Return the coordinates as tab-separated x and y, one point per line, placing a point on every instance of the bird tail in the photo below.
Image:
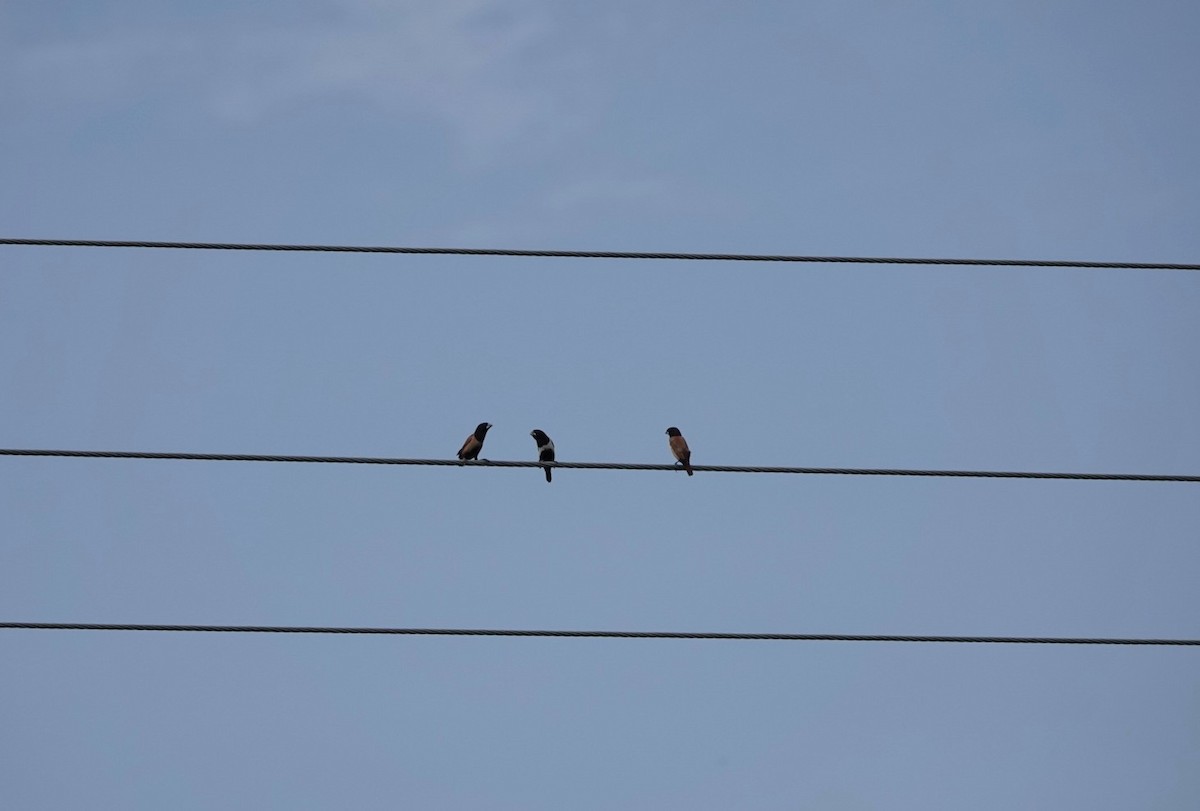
687	463
547	469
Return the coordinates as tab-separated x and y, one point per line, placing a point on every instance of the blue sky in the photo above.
1061	130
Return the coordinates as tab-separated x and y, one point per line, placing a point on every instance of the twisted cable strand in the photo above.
374	460
316	629
534	252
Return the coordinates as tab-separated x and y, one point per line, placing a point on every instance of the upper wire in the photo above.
564	254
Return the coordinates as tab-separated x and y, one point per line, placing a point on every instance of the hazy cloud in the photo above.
486	69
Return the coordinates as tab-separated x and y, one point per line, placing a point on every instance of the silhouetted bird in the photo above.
474	444
545	448
679	447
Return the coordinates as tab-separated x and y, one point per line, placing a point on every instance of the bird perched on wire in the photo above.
474	444
679	447
545	447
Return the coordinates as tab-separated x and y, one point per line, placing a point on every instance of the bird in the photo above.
679	447
545	447
474	444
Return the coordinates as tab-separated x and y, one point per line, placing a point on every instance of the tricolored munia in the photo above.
679	447
474	444
545	447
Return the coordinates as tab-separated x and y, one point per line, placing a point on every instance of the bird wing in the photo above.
472	445
679	447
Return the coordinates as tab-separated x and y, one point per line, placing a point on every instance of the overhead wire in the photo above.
374	460
585	254
701	635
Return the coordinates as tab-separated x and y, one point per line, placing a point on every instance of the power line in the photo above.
315	629
721	257
373	460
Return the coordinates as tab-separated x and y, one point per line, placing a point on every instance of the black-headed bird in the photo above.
679	447
474	444
545	448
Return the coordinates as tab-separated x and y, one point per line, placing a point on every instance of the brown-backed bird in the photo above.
545	447
474	444
679	447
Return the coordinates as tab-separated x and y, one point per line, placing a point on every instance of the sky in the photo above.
1061	130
